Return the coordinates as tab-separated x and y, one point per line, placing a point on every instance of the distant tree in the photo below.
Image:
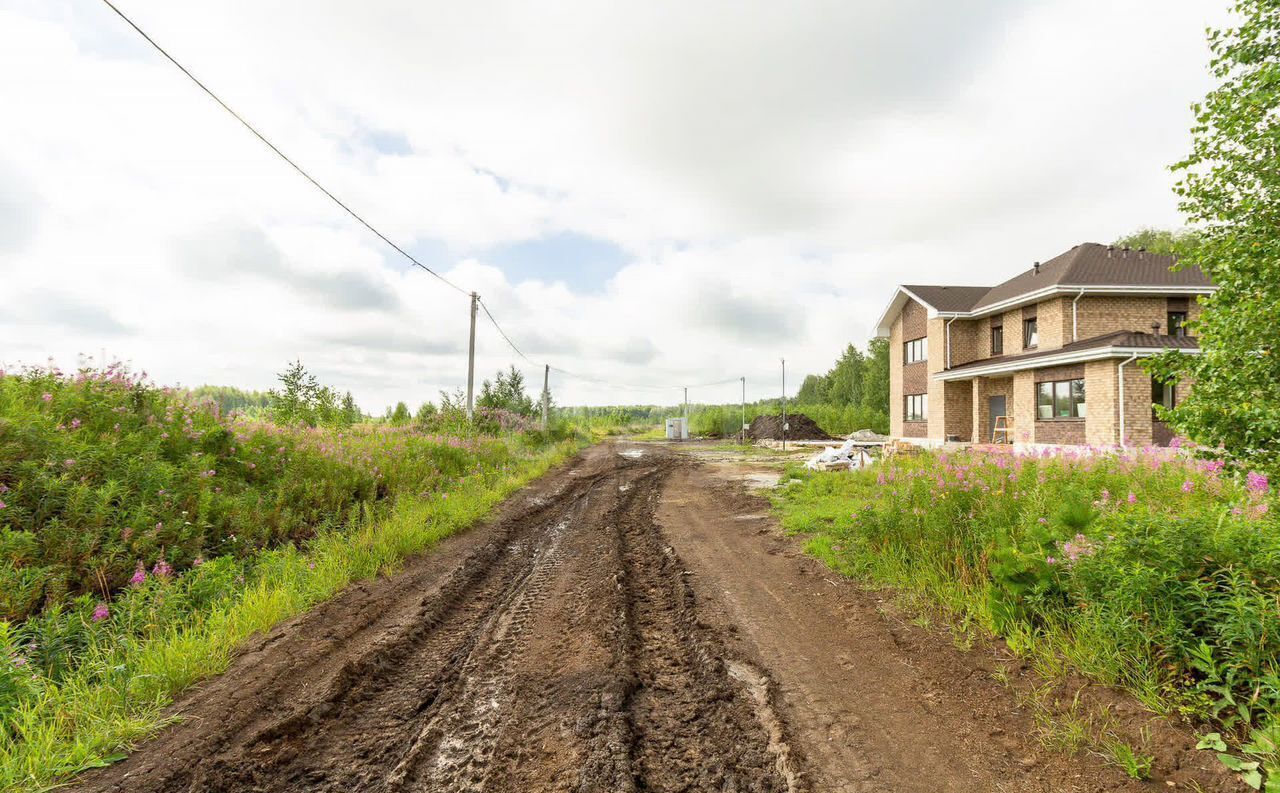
506	392
425	411
1230	190
292	403
844	381
811	390
1161	241
400	415
350	410
875	377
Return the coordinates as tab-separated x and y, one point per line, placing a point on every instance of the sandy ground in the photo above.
631	622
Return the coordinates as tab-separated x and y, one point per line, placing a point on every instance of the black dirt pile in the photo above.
801	428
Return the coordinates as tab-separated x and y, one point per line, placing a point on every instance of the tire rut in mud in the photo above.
564	654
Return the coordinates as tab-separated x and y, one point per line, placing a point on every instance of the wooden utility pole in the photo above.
784	404
546	394
471	358
744	410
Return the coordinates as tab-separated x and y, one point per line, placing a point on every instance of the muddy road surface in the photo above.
630	622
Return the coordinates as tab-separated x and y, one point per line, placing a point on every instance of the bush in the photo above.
1157	573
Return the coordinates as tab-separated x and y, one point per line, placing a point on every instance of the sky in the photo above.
647	194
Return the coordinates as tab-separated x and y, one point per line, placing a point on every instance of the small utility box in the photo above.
678	429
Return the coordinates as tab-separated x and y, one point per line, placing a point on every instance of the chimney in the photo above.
1036	268
1110	248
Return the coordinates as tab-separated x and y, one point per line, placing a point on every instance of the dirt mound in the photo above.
800	428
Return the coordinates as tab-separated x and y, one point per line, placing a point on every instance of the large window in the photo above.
1177	323
997	340
1061	399
1165	394
916	350
917	407
1030	335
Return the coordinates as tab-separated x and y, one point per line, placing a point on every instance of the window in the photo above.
1060	399
916	351
1030	336
997	340
917	407
1177	323
1165	394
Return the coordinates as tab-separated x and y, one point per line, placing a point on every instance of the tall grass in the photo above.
725	421
1151	572
174	533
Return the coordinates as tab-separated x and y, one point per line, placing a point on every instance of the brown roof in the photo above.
949	298
1125	338
1091	264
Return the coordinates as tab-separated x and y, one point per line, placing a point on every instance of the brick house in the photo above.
1053	349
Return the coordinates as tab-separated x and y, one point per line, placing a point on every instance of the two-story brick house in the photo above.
1053	349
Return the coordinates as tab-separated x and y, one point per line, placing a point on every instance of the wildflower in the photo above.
1257	483
3	505
1050	560
19	661
196	562
139	575
1133	499
47	397
1237	511
162	570
1043	520
159	525
68	462
75	424
101	612
1188	486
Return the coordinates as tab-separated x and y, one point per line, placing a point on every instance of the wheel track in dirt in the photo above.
562	653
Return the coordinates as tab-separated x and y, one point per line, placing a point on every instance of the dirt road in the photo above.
628	623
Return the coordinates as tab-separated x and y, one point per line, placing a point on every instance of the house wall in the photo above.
968	343
958	408
936	329
1013	332
1053	322
1137	405
1100	386
1023	410
982	389
911	323
1099	315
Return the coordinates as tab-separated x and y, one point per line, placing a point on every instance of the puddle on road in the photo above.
633	454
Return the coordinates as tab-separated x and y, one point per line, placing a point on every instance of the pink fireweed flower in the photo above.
1133	499
1257	483
47	397
196	562
68	462
75	424
101	612
159	525
139	575
1237	511
3	505
162	570
1050	560
1188	486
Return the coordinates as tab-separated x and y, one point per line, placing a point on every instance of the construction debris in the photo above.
859	450
799	428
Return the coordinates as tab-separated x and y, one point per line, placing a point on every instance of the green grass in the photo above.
120	688
1158	575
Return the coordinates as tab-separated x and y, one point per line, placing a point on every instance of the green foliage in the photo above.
506	393
1160	574
234	400
1161	241
1230	190
399	415
144	536
302	401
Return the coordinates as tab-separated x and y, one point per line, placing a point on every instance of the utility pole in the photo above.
546	394
684	432
471	358
744	410
784	404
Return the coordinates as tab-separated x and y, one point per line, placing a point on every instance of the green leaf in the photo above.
1212	741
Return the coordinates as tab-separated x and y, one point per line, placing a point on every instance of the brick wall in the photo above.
1022	411
968	342
911	323
1061	431
958	405
1100	399
1098	316
936	363
895	377
1137	405
1053	322
1013	332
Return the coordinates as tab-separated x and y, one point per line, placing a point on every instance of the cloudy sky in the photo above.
649	193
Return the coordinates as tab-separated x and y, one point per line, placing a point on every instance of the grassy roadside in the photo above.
118	691
1158	575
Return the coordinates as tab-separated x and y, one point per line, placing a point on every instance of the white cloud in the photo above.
771	170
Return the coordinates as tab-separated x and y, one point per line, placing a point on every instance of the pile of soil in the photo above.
801	428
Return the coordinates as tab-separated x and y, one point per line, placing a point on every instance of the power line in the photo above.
503	333
368	225
275	149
